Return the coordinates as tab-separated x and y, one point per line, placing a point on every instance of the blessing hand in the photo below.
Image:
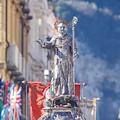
40	42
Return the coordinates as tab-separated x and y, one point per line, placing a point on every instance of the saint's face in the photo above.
62	28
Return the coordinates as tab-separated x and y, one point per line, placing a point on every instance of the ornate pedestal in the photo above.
61	108
60	114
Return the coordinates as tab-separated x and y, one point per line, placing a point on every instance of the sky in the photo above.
98	41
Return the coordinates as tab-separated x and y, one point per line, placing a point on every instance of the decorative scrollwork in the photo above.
75	20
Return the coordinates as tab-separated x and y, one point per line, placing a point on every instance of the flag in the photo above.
1	90
8	109
5	113
37	94
6	105
4	90
16	102
14	97
18	99
1	94
12	112
11	92
2	84
7	94
77	90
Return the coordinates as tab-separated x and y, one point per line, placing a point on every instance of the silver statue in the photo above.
62	43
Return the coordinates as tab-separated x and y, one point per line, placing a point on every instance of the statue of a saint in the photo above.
63	58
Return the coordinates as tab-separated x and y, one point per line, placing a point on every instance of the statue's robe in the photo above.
63	64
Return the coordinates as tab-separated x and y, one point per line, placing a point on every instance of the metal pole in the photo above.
119	114
26	101
73	29
94	103
82	92
74	21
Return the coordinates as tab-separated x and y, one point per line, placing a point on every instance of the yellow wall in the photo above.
2	37
14	29
14	33
14	26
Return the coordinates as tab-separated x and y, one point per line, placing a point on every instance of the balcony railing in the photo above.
15	62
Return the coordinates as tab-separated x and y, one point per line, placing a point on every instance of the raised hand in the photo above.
40	42
76	56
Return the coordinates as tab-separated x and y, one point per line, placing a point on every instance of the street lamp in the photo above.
83	84
46	75
119	114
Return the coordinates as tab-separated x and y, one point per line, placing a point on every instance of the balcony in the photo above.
13	57
16	63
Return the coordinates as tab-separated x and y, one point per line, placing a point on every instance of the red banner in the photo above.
37	94
77	90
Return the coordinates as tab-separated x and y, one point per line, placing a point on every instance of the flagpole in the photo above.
26	101
25	83
74	21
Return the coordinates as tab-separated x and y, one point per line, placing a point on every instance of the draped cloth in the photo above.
37	95
63	64
63	76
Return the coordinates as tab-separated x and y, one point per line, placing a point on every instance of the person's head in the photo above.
62	25
62	28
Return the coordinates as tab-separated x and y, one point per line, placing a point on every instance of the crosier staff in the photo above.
74	22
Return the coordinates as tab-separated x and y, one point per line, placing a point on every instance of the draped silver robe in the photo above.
63	64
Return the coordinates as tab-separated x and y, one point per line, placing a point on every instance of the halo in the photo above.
62	21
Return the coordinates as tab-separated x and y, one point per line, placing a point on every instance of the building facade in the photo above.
22	22
42	27
14	29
